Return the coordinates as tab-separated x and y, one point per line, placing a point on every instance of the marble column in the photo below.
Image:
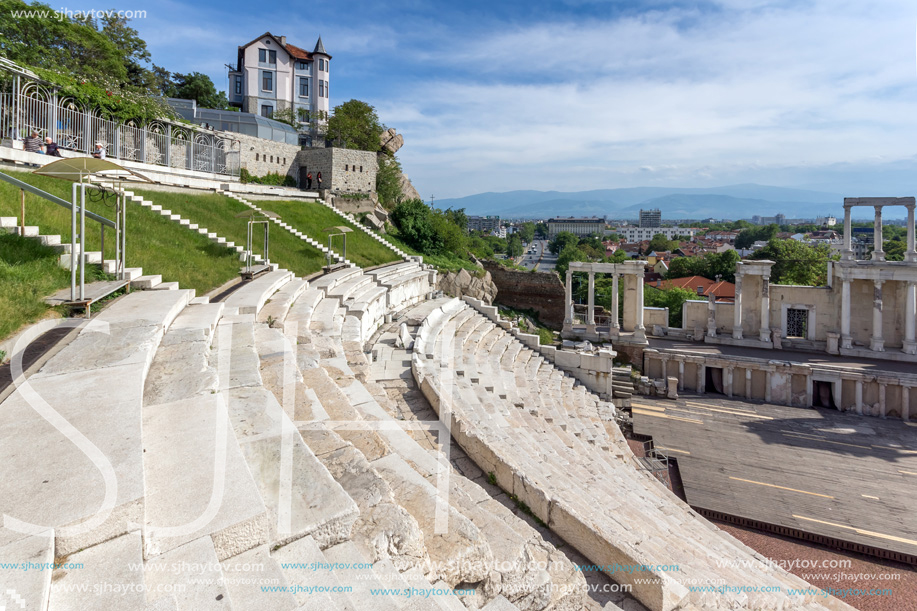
665	367
568	300
839	395
846	339
910	311
737	314
877	343
748	383
882	399
639	329
809	388
767	386
728	381
681	375
615	320
765	335
877	253
590	307
905	403
911	253
701	378
848	235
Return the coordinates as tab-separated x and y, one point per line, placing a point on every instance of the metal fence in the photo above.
31	107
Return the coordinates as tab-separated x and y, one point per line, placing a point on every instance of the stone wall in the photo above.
343	170
462	284
260	156
539	291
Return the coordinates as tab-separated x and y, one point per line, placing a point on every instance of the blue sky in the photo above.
576	95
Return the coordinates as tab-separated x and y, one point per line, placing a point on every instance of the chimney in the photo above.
283	40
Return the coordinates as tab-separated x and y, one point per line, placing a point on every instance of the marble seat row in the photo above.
546	441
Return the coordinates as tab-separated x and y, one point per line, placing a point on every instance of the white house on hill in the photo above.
272	75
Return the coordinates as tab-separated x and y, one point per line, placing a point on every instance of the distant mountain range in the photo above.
730	202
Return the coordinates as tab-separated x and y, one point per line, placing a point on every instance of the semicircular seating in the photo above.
556	448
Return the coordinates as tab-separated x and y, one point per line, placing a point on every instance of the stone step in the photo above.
31	586
181	441
193	575
8	221
252	296
248	572
278	305
49	240
95	383
111	577
458	550
166	286
146	282
360	578
303	563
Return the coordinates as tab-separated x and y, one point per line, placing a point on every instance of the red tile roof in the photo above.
297	53
722	289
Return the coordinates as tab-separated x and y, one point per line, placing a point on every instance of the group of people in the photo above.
309	180
34	144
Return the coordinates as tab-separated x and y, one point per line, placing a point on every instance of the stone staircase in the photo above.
622	386
344	215
177	218
299	234
10	224
557	449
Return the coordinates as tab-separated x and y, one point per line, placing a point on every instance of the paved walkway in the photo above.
808	358
838	475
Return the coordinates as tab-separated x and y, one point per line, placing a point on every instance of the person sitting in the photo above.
32	144
51	148
99	152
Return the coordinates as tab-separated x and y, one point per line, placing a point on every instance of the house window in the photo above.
346	167
267	81
284	161
262	56
304	88
272	57
272	159
321	89
796	322
303	66
321	65
239	85
256	156
267	110
327	89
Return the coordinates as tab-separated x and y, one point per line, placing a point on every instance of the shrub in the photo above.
271	178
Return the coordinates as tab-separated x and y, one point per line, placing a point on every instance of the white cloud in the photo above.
729	95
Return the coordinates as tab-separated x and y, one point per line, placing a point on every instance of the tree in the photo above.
65	45
567	255
132	49
674	299
199	87
749	236
388	181
527	231
514	245
458	217
797	262
660	243
413	220
287	116
682	267
561	241
355	125
618	256
722	264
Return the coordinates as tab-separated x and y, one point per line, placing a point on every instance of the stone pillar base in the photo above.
640	334
910	256
737	334
765	335
909	347
877	345
846	342
832	347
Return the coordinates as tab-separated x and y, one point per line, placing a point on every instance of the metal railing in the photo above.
34	108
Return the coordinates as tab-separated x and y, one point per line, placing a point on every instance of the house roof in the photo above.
294	51
319	47
722	289
297	53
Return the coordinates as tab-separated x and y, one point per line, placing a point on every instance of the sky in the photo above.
573	95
